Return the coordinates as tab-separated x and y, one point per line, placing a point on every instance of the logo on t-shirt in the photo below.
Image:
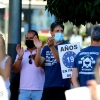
50	60
68	59
87	61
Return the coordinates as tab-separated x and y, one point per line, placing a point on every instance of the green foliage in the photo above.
43	39
76	11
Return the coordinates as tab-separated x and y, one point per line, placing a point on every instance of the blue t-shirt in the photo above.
85	62
53	75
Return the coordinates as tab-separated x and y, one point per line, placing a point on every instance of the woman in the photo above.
5	65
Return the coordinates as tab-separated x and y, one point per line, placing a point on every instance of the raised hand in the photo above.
37	43
50	41
19	50
93	89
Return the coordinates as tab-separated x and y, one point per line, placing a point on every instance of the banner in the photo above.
67	53
81	93
3	90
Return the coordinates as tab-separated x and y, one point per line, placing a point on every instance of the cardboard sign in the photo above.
3	90
67	53
81	93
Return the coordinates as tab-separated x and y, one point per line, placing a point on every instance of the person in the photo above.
76	37
31	77
5	65
85	60
54	86
93	90
93	83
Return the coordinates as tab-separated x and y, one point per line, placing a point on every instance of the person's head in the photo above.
95	35
57	30
75	30
2	43
29	39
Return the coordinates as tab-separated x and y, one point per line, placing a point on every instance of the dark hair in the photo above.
33	31
95	33
55	24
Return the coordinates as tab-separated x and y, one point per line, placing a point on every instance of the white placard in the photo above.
67	53
81	93
3	90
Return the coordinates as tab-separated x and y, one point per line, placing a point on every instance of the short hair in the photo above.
55	24
95	33
33	31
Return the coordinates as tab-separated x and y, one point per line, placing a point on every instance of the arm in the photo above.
75	78
50	42
70	79
6	72
55	53
39	61
17	65
93	89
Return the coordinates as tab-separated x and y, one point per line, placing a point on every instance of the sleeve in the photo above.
43	52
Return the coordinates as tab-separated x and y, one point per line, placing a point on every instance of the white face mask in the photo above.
59	36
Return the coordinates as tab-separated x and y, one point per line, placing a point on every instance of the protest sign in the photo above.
67	53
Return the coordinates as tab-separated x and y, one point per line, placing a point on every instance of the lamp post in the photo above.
29	17
14	38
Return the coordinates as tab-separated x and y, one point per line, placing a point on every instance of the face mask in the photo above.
29	43
59	37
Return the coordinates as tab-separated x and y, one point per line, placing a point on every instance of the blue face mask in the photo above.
59	37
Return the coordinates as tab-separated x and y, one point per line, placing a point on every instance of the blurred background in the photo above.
34	16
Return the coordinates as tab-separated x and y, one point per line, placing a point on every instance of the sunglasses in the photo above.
30	60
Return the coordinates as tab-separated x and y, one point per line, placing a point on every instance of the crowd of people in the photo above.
40	69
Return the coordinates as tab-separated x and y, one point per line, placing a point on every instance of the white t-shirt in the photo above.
7	82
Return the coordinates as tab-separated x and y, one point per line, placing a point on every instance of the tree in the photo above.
76	11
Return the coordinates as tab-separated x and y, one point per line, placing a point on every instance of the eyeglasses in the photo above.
30	60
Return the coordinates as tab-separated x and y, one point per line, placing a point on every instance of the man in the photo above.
31	77
54	86
85	60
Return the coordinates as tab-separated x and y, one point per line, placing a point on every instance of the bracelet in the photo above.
50	45
20	58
